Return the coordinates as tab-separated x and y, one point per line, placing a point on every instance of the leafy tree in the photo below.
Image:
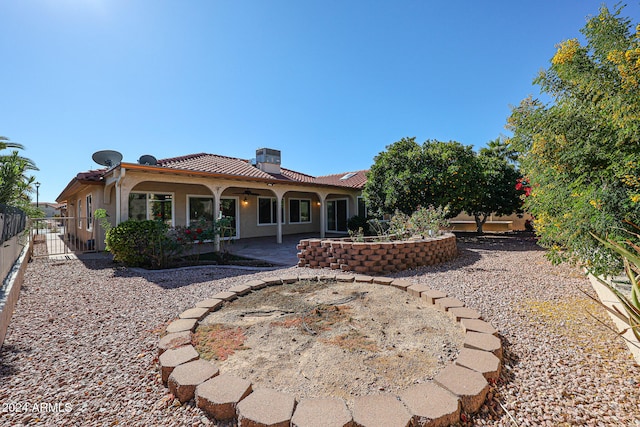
15	184
500	148
408	175
582	151
495	189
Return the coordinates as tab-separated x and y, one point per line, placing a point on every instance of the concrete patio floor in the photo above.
267	249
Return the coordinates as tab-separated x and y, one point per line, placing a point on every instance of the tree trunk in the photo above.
480	222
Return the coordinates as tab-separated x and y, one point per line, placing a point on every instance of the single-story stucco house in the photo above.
183	190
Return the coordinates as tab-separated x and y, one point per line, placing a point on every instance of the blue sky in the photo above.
329	83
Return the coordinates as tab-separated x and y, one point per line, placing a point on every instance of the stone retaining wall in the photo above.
376	257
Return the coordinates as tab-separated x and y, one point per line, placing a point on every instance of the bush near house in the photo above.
142	244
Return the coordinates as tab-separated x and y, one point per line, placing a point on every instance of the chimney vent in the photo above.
268	160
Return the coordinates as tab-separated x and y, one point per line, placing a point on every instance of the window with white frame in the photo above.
157	206
200	210
267	211
299	211
79	213
89	206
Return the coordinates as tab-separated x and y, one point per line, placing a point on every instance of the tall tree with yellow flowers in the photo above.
581	151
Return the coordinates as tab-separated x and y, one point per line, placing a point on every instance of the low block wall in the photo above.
375	257
10	289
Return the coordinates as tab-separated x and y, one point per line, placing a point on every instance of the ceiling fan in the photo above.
248	193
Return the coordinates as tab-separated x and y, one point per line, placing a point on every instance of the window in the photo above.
362	207
229	211
89	213
267	213
200	210
157	206
299	211
79	213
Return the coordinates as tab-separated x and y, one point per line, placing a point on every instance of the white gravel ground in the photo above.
81	347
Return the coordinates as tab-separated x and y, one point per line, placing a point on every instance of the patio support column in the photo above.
279	196
217	193
323	215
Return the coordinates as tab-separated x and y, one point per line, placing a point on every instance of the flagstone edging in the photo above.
459	387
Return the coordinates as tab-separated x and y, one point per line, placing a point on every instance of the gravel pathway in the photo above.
81	347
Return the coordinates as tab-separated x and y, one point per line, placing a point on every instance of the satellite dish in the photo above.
107	157
148	159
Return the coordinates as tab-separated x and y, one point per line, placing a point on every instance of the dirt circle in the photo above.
327	338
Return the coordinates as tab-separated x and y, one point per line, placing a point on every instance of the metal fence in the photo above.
65	235
13	221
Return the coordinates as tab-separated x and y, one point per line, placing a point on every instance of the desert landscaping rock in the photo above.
476	325
181	325
484	362
98	351
431	405
174	340
219	396
174	357
485	342
470	386
266	408
197	313
380	410
184	378
322	412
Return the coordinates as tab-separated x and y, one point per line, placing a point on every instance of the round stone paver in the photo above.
431	405
174	357
266	408
184	378
380	410
219	396
327	412
470	386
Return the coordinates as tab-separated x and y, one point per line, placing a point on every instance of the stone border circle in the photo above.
461	386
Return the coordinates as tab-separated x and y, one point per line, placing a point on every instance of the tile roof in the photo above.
355	179
91	176
213	163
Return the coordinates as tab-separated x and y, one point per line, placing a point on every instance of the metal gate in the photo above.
65	235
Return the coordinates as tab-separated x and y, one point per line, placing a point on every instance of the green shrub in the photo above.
142	244
357	223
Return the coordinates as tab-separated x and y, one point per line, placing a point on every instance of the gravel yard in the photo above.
81	347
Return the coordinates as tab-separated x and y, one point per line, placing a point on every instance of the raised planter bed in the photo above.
374	257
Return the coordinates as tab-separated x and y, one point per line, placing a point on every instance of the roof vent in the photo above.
268	160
